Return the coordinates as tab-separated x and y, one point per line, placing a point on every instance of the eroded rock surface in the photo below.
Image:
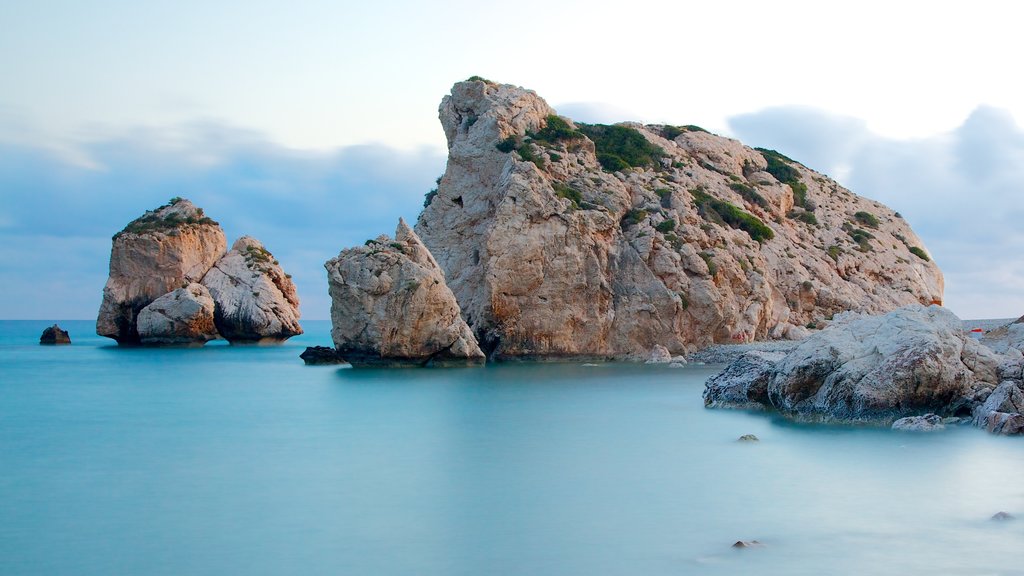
913	361
163	250
566	240
182	316
390	305
255	300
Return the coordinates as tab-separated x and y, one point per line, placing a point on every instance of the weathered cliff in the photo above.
163	250
560	239
390	306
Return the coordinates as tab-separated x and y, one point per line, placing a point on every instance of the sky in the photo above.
313	125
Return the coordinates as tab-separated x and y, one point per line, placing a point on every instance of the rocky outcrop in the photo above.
1002	411
54	335
390	305
182	316
255	300
321	355
744	382
163	250
164	255
913	361
562	239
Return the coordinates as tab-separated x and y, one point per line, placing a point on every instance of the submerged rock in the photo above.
1002	516
255	300
572	240
748	438
321	355
926	423
869	369
183	316
55	335
160	251
748	544
390	305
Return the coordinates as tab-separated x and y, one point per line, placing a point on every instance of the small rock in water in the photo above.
55	335
1002	516
748	544
660	355
749	438
926	423
319	355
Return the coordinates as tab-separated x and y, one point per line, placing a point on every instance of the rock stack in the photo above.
172	282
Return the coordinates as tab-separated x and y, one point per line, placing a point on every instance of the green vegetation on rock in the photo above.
866	218
749	194
723	212
571	194
919	253
666	226
621	147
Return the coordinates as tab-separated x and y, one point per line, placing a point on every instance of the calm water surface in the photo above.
241	460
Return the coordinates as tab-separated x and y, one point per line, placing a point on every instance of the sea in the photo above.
242	460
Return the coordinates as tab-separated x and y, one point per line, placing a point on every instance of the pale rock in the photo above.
182	316
256	301
557	257
926	423
659	355
873	369
163	250
390	305
1001	411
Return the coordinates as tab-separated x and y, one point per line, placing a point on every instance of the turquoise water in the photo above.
241	460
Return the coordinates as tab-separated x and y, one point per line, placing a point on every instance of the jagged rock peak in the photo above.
255	299
162	250
390	305
567	239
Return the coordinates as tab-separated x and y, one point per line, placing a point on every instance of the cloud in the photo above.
58	216
961	191
595	112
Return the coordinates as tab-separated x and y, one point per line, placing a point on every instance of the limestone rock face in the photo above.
875	369
1002	411
156	253
554	245
183	316
255	300
390	305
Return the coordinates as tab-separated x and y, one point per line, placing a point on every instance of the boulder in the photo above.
748	438
744	383
926	423
869	369
660	355
321	355
162	250
390	305
55	335
183	316
1001	411
256	301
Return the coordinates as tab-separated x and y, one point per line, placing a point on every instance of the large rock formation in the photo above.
163	250
183	316
390	306
255	300
560	239
158	261
913	361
